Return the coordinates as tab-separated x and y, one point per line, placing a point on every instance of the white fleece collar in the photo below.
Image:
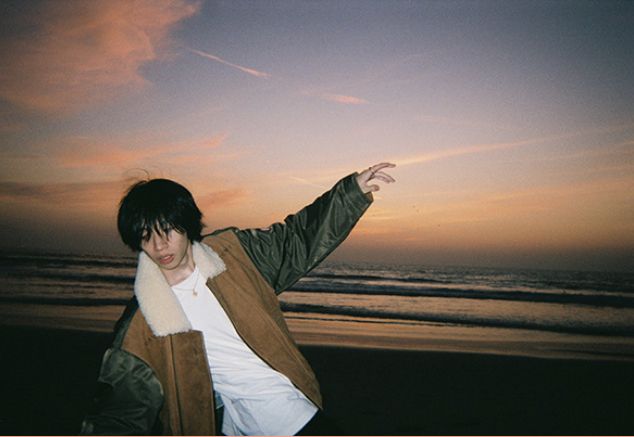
157	301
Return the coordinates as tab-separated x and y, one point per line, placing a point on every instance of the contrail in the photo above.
250	71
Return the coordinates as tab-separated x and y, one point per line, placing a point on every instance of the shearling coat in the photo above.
155	377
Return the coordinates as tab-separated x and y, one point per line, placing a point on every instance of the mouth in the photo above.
166	259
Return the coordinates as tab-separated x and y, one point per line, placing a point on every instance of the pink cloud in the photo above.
460	151
483	148
215	199
10	127
62	194
343	99
83	52
81	153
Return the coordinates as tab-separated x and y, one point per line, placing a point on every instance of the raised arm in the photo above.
286	251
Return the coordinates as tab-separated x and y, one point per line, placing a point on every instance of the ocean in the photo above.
77	287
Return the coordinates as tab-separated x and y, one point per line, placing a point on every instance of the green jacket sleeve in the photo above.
285	252
129	399
129	395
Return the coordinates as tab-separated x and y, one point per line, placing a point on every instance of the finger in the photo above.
381	166
384	176
374	187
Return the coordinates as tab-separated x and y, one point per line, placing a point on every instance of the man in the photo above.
203	346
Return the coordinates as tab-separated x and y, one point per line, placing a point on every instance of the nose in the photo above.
159	241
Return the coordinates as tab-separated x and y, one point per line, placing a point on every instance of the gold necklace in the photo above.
196	283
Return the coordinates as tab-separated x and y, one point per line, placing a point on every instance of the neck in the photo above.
183	270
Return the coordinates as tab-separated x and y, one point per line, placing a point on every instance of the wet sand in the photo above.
48	378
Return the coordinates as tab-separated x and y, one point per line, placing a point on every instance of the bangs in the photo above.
159	224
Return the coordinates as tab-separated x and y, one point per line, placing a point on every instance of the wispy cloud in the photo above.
101	196
304	181
10	127
78	53
219	198
459	151
570	191
483	148
449	121
62	194
342	99
562	199
247	70
84	153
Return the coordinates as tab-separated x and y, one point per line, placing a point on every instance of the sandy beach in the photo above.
48	378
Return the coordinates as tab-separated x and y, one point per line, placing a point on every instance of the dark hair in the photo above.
157	205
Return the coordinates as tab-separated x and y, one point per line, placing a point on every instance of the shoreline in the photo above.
436	337
334	331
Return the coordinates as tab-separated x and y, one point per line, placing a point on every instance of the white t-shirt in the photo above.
257	399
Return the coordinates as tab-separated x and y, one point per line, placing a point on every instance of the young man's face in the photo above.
171	251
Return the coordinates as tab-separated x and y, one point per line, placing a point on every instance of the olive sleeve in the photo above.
128	400
129	396
286	251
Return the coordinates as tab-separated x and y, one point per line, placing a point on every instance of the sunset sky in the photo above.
511	122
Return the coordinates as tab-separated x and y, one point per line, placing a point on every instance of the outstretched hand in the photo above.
372	173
